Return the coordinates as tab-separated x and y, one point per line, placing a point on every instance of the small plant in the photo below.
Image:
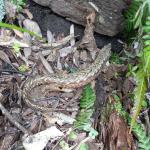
118	106
16	48
131	70
84	146
135	15
64	145
22	68
115	59
138	17
18	3
143	139
86	110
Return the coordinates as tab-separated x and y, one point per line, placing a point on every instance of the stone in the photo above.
109	18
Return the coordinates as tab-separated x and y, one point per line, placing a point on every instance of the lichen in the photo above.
2	9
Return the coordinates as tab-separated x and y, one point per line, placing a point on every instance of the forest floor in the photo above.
80	123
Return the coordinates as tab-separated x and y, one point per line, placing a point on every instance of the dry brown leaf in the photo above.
119	134
65	51
45	63
28	13
32	26
50	37
59	65
88	39
83	55
18	33
4	57
72	41
27	39
76	58
53	55
10	42
27	52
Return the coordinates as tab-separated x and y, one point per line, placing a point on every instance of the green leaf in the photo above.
72	136
9	26
87	98
64	145
84	146
147	48
18	3
16	48
93	133
86	108
146	28
139	93
146	62
145	37
22	68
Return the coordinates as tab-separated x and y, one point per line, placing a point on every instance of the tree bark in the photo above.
109	18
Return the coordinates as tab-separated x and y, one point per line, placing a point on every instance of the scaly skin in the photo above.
69	81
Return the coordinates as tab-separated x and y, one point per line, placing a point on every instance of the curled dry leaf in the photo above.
119	134
88	39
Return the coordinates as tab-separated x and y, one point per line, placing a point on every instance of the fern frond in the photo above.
87	98
142	22
136	14
143	139
146	43
129	15
86	107
139	93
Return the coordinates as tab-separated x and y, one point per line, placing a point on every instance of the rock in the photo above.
109	20
47	20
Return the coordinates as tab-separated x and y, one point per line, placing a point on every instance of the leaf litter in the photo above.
59	54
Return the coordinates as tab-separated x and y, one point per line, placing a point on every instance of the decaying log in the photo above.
109	19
